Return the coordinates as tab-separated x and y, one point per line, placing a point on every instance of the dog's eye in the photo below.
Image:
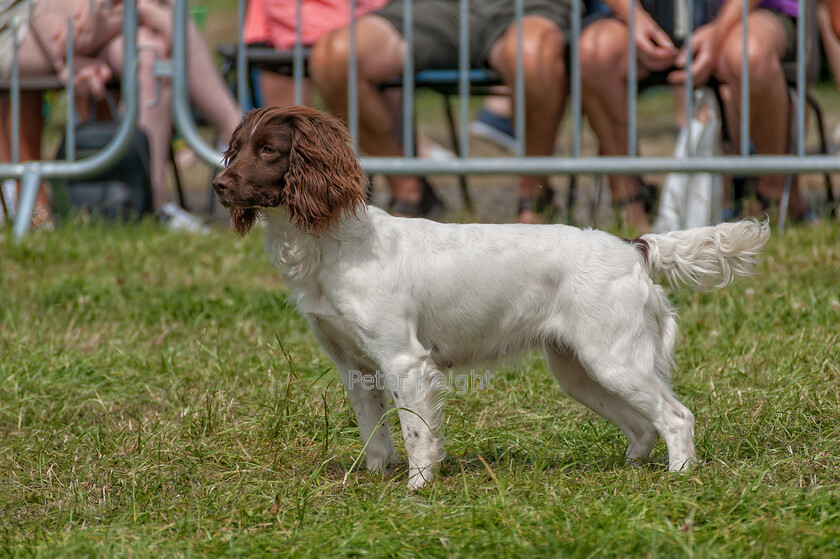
268	150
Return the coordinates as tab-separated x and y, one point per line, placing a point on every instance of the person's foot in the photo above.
175	218
633	215
634	210
530	217
428	204
537	209
430	149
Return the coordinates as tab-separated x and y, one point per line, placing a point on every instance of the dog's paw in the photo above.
418	478
381	464
416	482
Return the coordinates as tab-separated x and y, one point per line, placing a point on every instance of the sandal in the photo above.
428	204
646	194
540	204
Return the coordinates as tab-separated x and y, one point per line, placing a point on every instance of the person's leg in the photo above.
833	7
604	69
770	110
29	146
381	50
831	45
543	45
155	118
279	91
208	90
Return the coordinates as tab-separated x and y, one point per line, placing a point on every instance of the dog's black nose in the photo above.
221	182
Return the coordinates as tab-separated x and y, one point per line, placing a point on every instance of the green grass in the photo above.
160	396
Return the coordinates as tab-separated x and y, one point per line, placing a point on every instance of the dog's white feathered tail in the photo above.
706	257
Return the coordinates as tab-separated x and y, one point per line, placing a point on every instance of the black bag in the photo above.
122	193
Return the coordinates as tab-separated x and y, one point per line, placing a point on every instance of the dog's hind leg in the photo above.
576	382
624	338
632	377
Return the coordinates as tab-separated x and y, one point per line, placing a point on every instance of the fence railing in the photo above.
32	173
742	163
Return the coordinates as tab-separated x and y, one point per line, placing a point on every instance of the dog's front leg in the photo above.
417	387
369	402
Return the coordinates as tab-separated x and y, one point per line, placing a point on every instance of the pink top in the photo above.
273	21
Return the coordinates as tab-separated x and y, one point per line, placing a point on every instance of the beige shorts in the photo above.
436	27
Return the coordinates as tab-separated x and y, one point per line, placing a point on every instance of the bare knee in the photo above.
603	53
543	47
328	61
379	52
765	69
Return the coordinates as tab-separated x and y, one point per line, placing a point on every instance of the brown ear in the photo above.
324	179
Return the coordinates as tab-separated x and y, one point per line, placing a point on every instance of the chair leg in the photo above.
211	200
596	200
453	137
785	202
3	203
179	188
572	196
818	114
829	187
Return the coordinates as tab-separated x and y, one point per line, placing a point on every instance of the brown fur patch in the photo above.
243	219
641	245
296	157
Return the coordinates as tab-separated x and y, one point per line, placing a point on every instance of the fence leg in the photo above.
30	184
785	202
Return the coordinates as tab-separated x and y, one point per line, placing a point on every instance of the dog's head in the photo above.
295	157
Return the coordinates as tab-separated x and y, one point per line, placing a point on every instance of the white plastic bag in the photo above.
694	200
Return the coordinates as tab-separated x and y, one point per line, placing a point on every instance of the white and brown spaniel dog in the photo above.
399	299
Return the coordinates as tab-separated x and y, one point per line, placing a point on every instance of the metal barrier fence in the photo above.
32	173
575	164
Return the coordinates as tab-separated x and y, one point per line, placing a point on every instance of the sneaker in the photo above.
494	128
175	218
433	151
